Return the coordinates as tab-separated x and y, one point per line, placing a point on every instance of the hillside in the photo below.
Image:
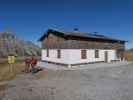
129	54
10	44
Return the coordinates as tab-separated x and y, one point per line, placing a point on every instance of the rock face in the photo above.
9	44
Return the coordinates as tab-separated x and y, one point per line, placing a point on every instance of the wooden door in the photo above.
58	53
106	56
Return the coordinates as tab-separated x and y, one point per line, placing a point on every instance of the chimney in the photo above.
76	29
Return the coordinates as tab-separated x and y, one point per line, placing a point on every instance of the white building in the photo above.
72	48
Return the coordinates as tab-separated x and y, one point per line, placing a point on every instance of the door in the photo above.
106	56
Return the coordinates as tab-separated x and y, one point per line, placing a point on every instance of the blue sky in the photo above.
30	18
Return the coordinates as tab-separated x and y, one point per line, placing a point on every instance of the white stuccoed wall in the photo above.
53	56
73	56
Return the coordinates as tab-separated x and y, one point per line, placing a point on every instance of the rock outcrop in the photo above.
10	44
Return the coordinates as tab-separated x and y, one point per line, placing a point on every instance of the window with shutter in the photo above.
96	53
83	54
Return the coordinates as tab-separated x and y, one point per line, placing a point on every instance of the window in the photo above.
96	53
47	53
83	54
58	53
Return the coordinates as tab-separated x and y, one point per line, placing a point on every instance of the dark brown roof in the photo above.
79	35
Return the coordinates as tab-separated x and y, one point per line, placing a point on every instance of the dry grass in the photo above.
18	68
129	55
5	73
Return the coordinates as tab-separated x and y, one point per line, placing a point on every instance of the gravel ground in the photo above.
112	83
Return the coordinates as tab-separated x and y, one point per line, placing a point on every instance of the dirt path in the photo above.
94	84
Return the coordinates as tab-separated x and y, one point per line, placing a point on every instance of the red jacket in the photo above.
27	61
33	62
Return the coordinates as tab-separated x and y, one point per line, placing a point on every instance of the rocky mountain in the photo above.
10	44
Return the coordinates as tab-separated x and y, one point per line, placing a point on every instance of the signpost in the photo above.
11	62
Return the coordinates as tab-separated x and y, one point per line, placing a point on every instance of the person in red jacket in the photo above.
33	62
33	65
